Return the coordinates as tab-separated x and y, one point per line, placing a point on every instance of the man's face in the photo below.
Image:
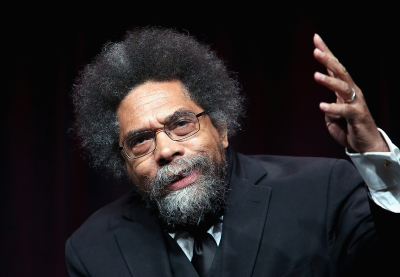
192	162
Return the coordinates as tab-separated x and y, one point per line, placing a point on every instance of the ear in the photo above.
225	142
223	135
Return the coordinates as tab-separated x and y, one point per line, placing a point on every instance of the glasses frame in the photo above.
155	136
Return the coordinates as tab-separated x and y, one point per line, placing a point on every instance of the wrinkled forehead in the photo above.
153	102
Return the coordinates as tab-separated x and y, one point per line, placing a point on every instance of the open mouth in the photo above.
183	181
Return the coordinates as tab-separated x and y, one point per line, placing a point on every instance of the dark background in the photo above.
48	189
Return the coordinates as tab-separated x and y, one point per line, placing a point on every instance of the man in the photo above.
159	107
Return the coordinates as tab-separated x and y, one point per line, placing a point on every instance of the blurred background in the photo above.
48	188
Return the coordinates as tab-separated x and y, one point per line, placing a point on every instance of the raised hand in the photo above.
348	120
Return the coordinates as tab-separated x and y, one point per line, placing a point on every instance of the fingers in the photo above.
320	44
326	58
339	80
335	111
349	121
343	89
338	129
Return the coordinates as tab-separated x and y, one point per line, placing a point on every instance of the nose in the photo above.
167	149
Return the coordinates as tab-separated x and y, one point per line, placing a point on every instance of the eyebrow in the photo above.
170	117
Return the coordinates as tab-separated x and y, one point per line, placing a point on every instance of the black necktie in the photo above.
204	250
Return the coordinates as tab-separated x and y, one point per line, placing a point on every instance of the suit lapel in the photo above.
141	241
244	219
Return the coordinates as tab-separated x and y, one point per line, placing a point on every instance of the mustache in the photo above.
177	170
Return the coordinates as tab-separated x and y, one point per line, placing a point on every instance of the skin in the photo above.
349	123
147	107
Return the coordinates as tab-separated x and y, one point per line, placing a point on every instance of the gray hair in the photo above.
149	54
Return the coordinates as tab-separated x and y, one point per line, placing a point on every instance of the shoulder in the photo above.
102	223
306	172
290	165
295	161
93	248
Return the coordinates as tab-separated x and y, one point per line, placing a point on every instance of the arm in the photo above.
381	172
351	125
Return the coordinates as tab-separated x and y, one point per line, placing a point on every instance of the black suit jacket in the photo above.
286	216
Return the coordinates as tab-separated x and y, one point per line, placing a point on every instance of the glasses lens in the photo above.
139	145
183	126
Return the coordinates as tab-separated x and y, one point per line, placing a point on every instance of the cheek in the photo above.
138	170
210	143
211	140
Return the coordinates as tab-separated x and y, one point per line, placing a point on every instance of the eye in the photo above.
182	126
139	141
182	123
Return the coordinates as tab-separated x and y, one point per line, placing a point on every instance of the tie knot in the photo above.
200	234
204	250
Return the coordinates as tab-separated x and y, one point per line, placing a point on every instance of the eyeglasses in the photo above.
180	127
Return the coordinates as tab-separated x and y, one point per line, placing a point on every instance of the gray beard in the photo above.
194	205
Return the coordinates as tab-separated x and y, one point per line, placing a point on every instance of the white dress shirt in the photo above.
381	173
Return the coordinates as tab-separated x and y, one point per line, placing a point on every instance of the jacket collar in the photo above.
244	220
141	241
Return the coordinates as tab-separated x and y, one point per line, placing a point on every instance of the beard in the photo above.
195	206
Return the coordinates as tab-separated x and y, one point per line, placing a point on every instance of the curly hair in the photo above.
149	54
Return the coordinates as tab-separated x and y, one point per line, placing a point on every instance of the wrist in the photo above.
379	145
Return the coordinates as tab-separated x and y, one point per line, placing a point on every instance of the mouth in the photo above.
182	182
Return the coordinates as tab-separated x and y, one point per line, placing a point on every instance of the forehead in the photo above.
150	103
